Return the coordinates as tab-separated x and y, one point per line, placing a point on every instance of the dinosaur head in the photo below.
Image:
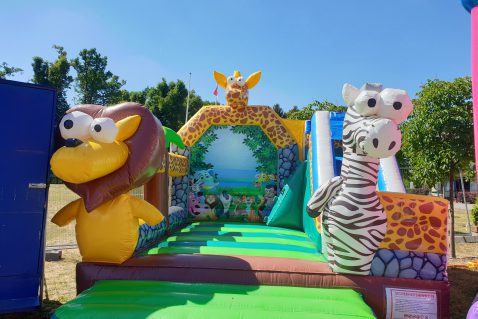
108	151
237	88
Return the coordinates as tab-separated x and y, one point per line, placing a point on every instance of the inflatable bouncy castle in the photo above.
248	215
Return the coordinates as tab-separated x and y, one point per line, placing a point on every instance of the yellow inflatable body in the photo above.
109	233
107	152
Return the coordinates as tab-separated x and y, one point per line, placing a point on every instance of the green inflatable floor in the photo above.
239	239
171	300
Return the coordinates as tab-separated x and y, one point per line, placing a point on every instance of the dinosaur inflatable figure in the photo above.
109	151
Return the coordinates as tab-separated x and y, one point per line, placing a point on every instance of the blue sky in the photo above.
305	49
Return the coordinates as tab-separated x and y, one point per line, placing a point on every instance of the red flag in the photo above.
216	93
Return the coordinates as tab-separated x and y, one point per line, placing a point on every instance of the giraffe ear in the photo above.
350	93
220	79
253	79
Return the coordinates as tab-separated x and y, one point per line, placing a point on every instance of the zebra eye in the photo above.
396	105
368	103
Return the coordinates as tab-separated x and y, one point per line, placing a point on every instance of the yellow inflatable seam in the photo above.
297	129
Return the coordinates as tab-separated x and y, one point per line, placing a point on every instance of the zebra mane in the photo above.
378	87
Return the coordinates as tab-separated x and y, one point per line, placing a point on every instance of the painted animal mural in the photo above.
237	88
226	201
268	200
353	219
108	152
201	205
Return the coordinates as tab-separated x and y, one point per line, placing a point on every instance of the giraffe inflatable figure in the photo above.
237	89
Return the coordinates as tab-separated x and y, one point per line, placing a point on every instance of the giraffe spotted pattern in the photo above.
415	223
262	116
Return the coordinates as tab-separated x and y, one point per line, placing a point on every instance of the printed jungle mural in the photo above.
233	174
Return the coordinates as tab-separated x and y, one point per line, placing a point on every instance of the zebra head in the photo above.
372	119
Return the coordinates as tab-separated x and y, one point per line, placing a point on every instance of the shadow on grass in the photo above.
463	288
47	309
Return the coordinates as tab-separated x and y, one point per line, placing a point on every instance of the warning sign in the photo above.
411	304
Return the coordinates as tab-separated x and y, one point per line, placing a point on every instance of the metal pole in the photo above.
187	101
468	224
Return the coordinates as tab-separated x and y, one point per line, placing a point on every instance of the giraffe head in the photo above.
373	115
237	89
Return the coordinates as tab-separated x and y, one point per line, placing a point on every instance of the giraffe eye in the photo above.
240	81
231	80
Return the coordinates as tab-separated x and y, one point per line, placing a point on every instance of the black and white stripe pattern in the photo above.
353	220
322	196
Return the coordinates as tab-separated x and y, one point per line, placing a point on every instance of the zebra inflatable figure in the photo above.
353	220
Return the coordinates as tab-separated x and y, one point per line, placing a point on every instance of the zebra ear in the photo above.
350	93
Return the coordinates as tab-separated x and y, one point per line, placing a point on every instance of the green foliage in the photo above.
306	112
260	146
255	139
94	84
172	137
168	102
130	96
7	71
438	137
54	74
197	158
474	213
276	107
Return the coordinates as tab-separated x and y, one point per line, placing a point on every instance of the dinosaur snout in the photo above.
384	139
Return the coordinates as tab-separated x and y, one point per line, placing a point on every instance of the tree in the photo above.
276	107
7	71
131	96
56	75
438	137
306	113
94	84
168	102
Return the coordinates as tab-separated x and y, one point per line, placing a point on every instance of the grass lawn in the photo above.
60	275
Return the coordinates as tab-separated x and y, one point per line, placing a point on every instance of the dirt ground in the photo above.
60	275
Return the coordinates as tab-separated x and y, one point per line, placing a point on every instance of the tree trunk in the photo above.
452	211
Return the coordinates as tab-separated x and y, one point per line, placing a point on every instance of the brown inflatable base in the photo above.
249	270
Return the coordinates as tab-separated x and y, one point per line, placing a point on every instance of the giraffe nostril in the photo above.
392	145
375	142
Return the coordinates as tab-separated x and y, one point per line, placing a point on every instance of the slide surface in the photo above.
326	159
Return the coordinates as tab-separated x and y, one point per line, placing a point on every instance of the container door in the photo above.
26	117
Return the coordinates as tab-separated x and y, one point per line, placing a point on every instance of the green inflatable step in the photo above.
239	239
172	300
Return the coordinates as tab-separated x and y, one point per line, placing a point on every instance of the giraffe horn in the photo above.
237	74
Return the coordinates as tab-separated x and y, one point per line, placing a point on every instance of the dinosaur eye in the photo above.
103	130
231	80
75	125
397	105
240	81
